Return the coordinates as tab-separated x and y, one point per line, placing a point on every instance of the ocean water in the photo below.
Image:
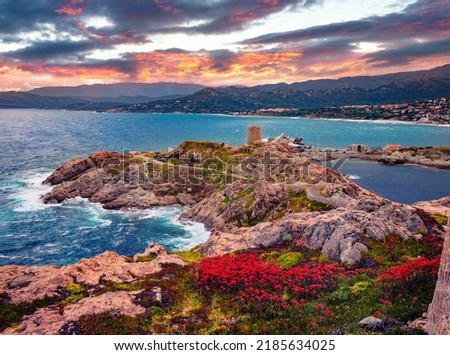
401	183
34	142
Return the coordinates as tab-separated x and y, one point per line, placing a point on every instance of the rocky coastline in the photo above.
250	198
438	158
246	196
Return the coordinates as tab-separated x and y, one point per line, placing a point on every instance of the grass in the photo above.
445	150
187	308
143	259
284	259
123	286
12	313
76	292
440	219
189	256
299	201
395	250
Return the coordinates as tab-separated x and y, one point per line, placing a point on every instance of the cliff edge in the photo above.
438	321
248	196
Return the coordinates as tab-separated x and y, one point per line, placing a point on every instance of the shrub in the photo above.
359	287
12	313
76	293
440	219
257	283
289	259
411	269
395	250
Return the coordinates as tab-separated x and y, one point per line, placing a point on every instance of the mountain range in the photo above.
176	97
96	95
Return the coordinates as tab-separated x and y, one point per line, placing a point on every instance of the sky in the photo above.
216	42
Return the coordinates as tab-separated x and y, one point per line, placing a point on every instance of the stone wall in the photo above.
438	321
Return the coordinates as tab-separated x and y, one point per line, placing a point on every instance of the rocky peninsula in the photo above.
278	211
246	196
425	156
432	157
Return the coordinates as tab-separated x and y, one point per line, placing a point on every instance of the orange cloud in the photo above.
242	68
202	67
79	72
27	77
70	8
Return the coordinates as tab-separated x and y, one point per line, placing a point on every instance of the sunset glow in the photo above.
227	42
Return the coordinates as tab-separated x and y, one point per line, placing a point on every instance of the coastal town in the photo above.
428	111
434	111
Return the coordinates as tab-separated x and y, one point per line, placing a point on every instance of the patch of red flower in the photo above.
254	280
410	269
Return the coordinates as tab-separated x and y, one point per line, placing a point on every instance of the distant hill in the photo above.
95	97
14	99
236	99
154	90
364	82
174	97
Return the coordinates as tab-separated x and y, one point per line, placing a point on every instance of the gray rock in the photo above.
370	323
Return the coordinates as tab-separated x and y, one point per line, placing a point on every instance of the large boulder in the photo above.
50	320
25	284
438	319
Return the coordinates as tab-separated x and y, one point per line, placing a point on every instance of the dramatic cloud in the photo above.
48	49
406	54
421	30
83	41
214	67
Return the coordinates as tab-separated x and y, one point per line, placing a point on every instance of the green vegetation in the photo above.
440	219
123	286
247	214
282	289
143	259
138	160
395	249
284	259
445	150
76	292
299	201
189	256
194	303
11	313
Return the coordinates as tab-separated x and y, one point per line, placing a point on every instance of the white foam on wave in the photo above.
95	211
354	177
196	233
27	194
157	212
28	197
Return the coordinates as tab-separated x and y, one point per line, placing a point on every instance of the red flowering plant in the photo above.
253	282
408	288
411	269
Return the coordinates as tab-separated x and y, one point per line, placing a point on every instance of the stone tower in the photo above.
254	134
438	319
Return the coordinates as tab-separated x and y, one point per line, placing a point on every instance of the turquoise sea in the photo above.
34	142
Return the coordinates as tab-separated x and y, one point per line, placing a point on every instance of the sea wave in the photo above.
197	232
65	232
27	195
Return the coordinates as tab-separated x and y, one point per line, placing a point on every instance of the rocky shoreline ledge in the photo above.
246	196
264	199
99	277
437	157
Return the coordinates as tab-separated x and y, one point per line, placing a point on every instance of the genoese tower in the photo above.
254	134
